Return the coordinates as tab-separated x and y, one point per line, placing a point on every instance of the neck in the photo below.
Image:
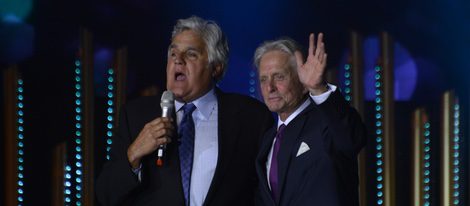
284	115
191	99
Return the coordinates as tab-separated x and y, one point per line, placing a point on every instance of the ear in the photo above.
217	72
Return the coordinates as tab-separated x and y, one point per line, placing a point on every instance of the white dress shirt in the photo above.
206	146
318	99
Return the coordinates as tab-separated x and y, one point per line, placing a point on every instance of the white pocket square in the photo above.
302	149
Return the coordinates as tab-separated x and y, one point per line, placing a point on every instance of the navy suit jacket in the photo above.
241	123
326	174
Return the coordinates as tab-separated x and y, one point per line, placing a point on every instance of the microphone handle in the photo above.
161	148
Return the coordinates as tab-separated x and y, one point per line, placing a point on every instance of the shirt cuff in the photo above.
318	99
138	172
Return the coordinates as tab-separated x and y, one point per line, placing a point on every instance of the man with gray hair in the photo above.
310	156
211	140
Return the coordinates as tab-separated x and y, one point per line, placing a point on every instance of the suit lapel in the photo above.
228	129
288	150
261	161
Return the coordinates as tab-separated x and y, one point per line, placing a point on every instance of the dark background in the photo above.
42	37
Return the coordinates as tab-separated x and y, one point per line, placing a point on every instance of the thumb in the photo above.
299	59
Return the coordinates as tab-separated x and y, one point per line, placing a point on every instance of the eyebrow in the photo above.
275	73
172	46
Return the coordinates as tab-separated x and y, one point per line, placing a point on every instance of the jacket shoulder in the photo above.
239	100
142	104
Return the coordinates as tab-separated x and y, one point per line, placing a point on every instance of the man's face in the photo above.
280	86
188	73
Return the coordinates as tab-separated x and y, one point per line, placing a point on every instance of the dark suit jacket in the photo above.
241	123
325	175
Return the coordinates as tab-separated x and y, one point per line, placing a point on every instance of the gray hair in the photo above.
286	45
214	38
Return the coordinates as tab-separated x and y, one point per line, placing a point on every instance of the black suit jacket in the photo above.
324	175
241	122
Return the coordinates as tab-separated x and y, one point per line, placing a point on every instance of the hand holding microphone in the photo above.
167	103
154	135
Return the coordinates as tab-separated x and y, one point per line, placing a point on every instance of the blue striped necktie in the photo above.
186	148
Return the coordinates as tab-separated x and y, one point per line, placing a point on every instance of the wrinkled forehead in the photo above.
276	62
188	39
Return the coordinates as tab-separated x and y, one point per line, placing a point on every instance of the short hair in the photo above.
286	45
214	38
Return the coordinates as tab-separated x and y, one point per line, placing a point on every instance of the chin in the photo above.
272	109
176	91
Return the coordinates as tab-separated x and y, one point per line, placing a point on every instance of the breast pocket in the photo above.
303	157
305	162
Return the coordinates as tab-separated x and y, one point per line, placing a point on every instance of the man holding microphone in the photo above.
211	140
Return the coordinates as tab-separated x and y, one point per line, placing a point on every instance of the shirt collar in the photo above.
294	114
204	104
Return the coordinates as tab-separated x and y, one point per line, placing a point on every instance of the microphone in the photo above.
167	103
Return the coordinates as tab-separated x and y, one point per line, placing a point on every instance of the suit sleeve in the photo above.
117	181
345	136
344	124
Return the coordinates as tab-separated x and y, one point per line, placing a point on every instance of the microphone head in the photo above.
168	99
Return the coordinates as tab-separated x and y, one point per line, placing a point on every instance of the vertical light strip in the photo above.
456	154
67	185
450	150
347	82
356	61
20	140
110	110
85	167
417	165
78	133
252	82
387	132
378	134
427	164
421	165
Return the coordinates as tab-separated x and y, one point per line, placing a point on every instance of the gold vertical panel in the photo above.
357	72
121	77
10	78
86	54
447	128
419	119
388	117
358	103
58	172
416	159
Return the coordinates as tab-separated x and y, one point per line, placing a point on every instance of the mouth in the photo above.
271	99
179	76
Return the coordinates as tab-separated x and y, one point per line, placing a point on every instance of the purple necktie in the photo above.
273	172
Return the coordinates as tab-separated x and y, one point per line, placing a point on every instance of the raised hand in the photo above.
312	72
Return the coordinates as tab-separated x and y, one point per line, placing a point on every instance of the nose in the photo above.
177	58
271	86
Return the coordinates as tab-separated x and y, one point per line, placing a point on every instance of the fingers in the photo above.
158	121
311	46
299	59
161	130
320	47
163	140
317	51
154	133
165	133
321	53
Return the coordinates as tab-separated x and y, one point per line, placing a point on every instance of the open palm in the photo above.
311	73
